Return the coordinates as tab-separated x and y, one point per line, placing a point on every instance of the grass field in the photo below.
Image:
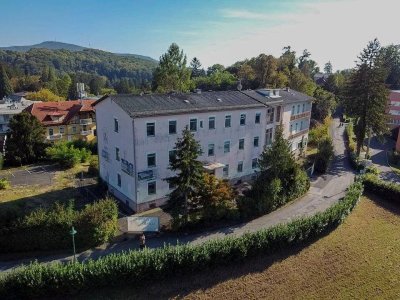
358	260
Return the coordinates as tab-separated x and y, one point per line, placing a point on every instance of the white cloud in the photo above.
330	30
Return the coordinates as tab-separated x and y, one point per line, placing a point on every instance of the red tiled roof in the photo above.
65	109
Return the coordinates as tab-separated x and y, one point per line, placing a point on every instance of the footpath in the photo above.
324	191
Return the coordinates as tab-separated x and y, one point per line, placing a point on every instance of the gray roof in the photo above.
177	103
286	96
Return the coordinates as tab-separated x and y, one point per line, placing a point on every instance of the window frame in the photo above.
241	140
154	129
257	118
116	125
228	117
155	187
225	171
244	119
169	127
155	160
229	146
211	148
256	145
119	180
117	154
240	163
190	124
215	121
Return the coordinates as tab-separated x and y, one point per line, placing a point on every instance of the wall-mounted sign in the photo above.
146	175
126	167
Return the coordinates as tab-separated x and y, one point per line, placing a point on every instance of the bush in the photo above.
4	183
65	154
94	166
49	229
388	190
319	132
81	144
37	280
351	146
324	155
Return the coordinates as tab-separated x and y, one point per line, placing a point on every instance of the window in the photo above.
278	114
117	154
51	132
172	127
61	129
227	147
119	179
225	171
293	109
258	118
211	123
297	125
298	108
171	155
151	129
73	129
242	119
228	121
254	163
304	107
211	148
240	167
291	128
171	186
115	125
241	144
151	188
268	137
270	115
151	160
193	125
255	141
201	123
301	125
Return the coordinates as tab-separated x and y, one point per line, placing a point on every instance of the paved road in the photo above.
324	191
379	158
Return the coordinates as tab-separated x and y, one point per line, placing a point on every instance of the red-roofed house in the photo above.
66	120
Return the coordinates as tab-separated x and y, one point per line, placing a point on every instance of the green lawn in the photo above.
358	260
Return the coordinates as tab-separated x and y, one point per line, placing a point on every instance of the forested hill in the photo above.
138	69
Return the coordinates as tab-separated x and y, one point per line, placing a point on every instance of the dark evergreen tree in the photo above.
366	95
189	175
195	65
172	74
328	68
25	143
5	85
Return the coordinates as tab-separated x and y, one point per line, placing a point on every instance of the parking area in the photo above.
41	175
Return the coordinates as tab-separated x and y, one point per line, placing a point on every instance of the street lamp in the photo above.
73	232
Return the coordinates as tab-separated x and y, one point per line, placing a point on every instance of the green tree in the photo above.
265	67
5	84
247	75
172	74
328	68
324	155
366	95
324	104
44	95
189	175
25	143
215	68
287	61
63	84
306	65
195	65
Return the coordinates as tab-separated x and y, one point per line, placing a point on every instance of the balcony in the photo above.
306	114
297	134
54	137
86	132
86	121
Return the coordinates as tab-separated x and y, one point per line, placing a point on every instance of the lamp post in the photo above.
73	232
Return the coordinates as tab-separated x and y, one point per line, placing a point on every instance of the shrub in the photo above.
94	166
49	229
319	132
324	155
65	154
37	280
1	161
388	190
4	183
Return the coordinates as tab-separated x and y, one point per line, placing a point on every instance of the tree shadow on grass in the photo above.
181	285
391	206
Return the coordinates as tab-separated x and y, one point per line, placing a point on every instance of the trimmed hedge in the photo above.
388	190
351	146
139	267
49	229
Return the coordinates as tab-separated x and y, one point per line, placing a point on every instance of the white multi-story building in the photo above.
137	135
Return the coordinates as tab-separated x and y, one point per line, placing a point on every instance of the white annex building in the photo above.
137	135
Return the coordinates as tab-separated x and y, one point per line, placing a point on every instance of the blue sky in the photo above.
219	31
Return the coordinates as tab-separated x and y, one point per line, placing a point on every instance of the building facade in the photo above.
393	109
137	135
66	120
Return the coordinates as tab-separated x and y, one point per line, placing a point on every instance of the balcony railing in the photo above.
86	132
297	134
86	121
306	114
54	137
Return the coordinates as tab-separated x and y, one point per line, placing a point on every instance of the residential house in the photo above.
66	120
393	109
137	135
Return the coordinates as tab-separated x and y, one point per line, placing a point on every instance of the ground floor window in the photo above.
225	171
151	188
240	167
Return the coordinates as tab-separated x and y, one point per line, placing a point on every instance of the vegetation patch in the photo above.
140	267
387	190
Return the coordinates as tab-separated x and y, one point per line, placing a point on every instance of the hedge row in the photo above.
388	190
139	267
351	146
49	229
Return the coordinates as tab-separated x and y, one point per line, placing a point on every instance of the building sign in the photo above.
142	224
126	167
146	175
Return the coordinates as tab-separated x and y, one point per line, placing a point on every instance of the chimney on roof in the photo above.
239	86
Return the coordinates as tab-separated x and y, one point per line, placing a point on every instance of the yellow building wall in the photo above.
70	134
